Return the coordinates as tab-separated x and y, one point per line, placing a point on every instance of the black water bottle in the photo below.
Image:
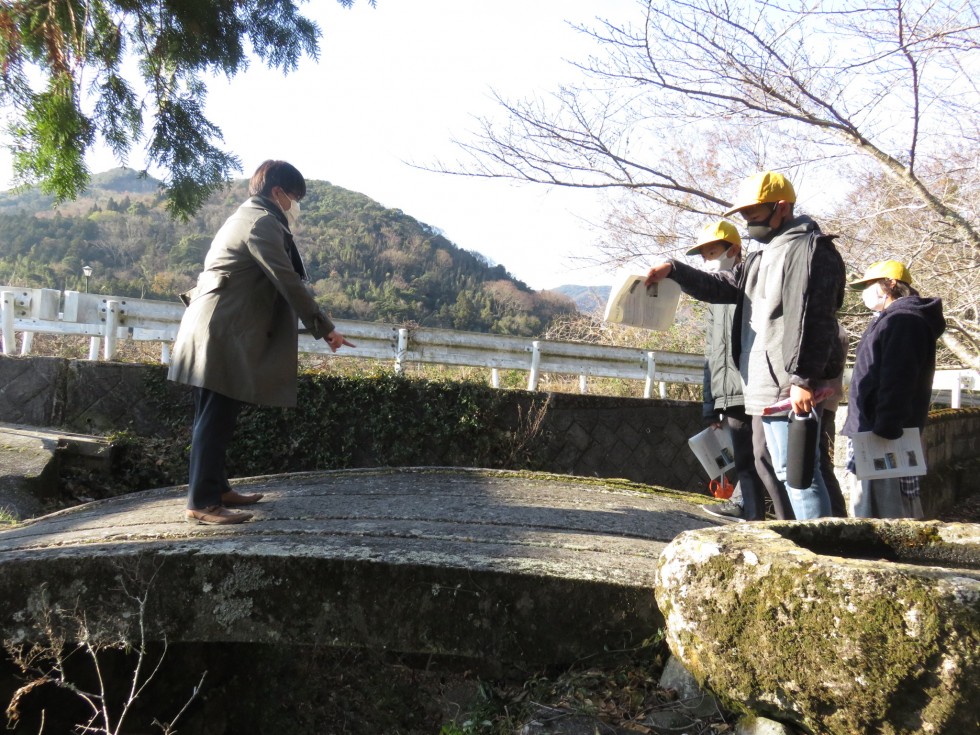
801	449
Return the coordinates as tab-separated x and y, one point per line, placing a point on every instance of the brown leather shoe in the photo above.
217	514
233	497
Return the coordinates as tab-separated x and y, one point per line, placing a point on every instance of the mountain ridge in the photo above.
588	299
366	261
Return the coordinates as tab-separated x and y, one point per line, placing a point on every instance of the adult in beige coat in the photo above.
237	341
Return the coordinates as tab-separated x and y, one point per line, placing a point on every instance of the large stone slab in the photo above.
31	461
844	626
28	473
501	567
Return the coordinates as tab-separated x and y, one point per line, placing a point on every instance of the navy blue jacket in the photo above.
891	386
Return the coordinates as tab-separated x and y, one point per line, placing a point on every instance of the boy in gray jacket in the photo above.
784	330
720	245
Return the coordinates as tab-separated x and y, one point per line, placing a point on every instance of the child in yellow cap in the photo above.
891	384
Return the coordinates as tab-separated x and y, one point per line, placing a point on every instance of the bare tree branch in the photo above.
875	102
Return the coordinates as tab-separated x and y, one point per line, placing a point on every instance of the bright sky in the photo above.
395	84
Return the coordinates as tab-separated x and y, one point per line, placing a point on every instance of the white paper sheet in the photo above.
634	305
713	448
877	458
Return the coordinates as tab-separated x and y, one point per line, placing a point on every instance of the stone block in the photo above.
32	390
28	473
838	626
577	437
762	726
630	437
694	698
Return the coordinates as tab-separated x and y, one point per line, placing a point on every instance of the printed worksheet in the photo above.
633	304
877	458
713	448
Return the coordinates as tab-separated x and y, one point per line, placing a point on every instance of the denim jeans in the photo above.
775	488
810	502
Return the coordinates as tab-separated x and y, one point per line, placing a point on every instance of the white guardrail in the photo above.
107	319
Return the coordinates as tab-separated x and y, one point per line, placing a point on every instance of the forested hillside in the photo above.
587	299
366	262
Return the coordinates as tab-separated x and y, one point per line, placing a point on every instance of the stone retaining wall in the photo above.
644	440
594	436
952	439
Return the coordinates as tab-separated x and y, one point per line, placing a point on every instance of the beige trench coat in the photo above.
238	336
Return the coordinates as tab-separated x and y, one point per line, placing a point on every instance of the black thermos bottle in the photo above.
801	449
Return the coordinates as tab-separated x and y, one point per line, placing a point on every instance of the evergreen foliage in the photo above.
366	262
64	75
399	421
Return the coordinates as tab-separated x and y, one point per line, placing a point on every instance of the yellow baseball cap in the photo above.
716	232
884	269
763	188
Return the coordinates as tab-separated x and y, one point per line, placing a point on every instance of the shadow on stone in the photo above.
900	542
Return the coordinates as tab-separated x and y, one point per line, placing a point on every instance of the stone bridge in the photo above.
507	569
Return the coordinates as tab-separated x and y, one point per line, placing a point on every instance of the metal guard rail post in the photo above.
112	318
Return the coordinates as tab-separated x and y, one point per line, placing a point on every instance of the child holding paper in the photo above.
891	385
720	246
784	326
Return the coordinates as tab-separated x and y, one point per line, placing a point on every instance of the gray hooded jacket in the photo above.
786	298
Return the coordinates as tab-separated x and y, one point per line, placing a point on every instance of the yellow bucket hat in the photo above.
883	269
763	188
716	232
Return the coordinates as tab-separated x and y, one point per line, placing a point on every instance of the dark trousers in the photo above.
214	424
828	433
749	482
763	466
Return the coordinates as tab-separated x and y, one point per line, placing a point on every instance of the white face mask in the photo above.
874	297
724	263
292	214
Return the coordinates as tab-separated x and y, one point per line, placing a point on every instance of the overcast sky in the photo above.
396	84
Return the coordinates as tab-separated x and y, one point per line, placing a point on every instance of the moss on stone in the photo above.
855	647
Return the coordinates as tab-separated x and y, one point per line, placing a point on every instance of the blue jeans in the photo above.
810	502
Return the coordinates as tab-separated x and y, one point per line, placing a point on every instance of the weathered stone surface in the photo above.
28	473
839	626
693	699
761	726
499	568
32	390
31	460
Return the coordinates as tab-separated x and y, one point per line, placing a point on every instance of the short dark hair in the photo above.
271	174
899	290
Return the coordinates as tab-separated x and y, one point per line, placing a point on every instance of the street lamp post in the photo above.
87	272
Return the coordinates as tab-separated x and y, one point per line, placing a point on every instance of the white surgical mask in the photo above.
292	214
724	263
874	297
